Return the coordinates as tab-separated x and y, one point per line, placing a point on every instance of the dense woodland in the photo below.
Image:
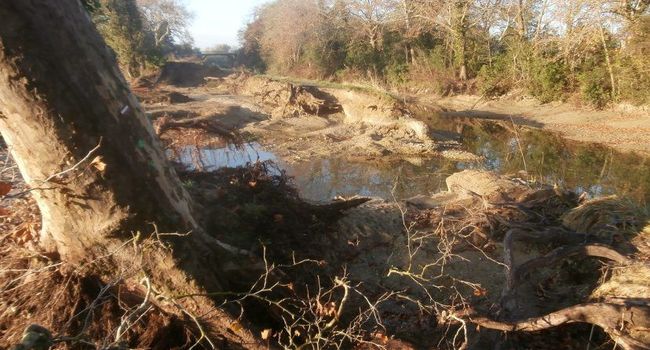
143	33
590	51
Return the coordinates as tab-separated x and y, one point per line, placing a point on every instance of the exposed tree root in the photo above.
205	123
562	253
515	273
613	318
284	98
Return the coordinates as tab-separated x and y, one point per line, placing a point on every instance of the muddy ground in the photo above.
394	275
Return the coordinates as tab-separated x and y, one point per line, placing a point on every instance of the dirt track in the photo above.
624	128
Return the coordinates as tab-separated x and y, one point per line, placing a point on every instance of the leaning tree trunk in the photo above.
88	151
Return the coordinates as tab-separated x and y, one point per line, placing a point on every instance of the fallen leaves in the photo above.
4	212
266	334
99	164
480	292
328	309
381	337
5	188
27	232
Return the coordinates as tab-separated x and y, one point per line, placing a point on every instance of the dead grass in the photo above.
82	307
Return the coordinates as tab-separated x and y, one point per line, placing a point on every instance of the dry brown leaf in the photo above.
4	212
327	309
25	233
5	187
266	334
381	337
236	327
98	164
480	292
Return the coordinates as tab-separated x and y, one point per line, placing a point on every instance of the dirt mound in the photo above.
187	74
486	185
380	111
285	99
160	97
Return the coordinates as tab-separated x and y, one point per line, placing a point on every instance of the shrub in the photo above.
548	80
431	73
633	79
633	64
595	87
494	80
397	74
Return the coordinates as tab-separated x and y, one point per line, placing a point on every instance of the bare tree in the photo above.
455	19
288	27
167	20
371	17
631	10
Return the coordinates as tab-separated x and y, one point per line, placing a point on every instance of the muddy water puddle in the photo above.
546	158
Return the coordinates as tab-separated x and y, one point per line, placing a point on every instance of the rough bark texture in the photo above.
62	95
84	144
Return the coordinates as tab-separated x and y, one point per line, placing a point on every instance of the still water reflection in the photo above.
548	158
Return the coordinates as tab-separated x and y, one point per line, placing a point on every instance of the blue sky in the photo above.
218	21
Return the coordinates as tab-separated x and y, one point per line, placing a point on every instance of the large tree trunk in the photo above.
62	97
85	146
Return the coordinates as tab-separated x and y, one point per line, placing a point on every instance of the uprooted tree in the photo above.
93	163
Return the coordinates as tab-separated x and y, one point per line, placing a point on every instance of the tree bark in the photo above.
88	151
62	96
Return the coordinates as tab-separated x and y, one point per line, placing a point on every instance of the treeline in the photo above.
589	51
143	33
